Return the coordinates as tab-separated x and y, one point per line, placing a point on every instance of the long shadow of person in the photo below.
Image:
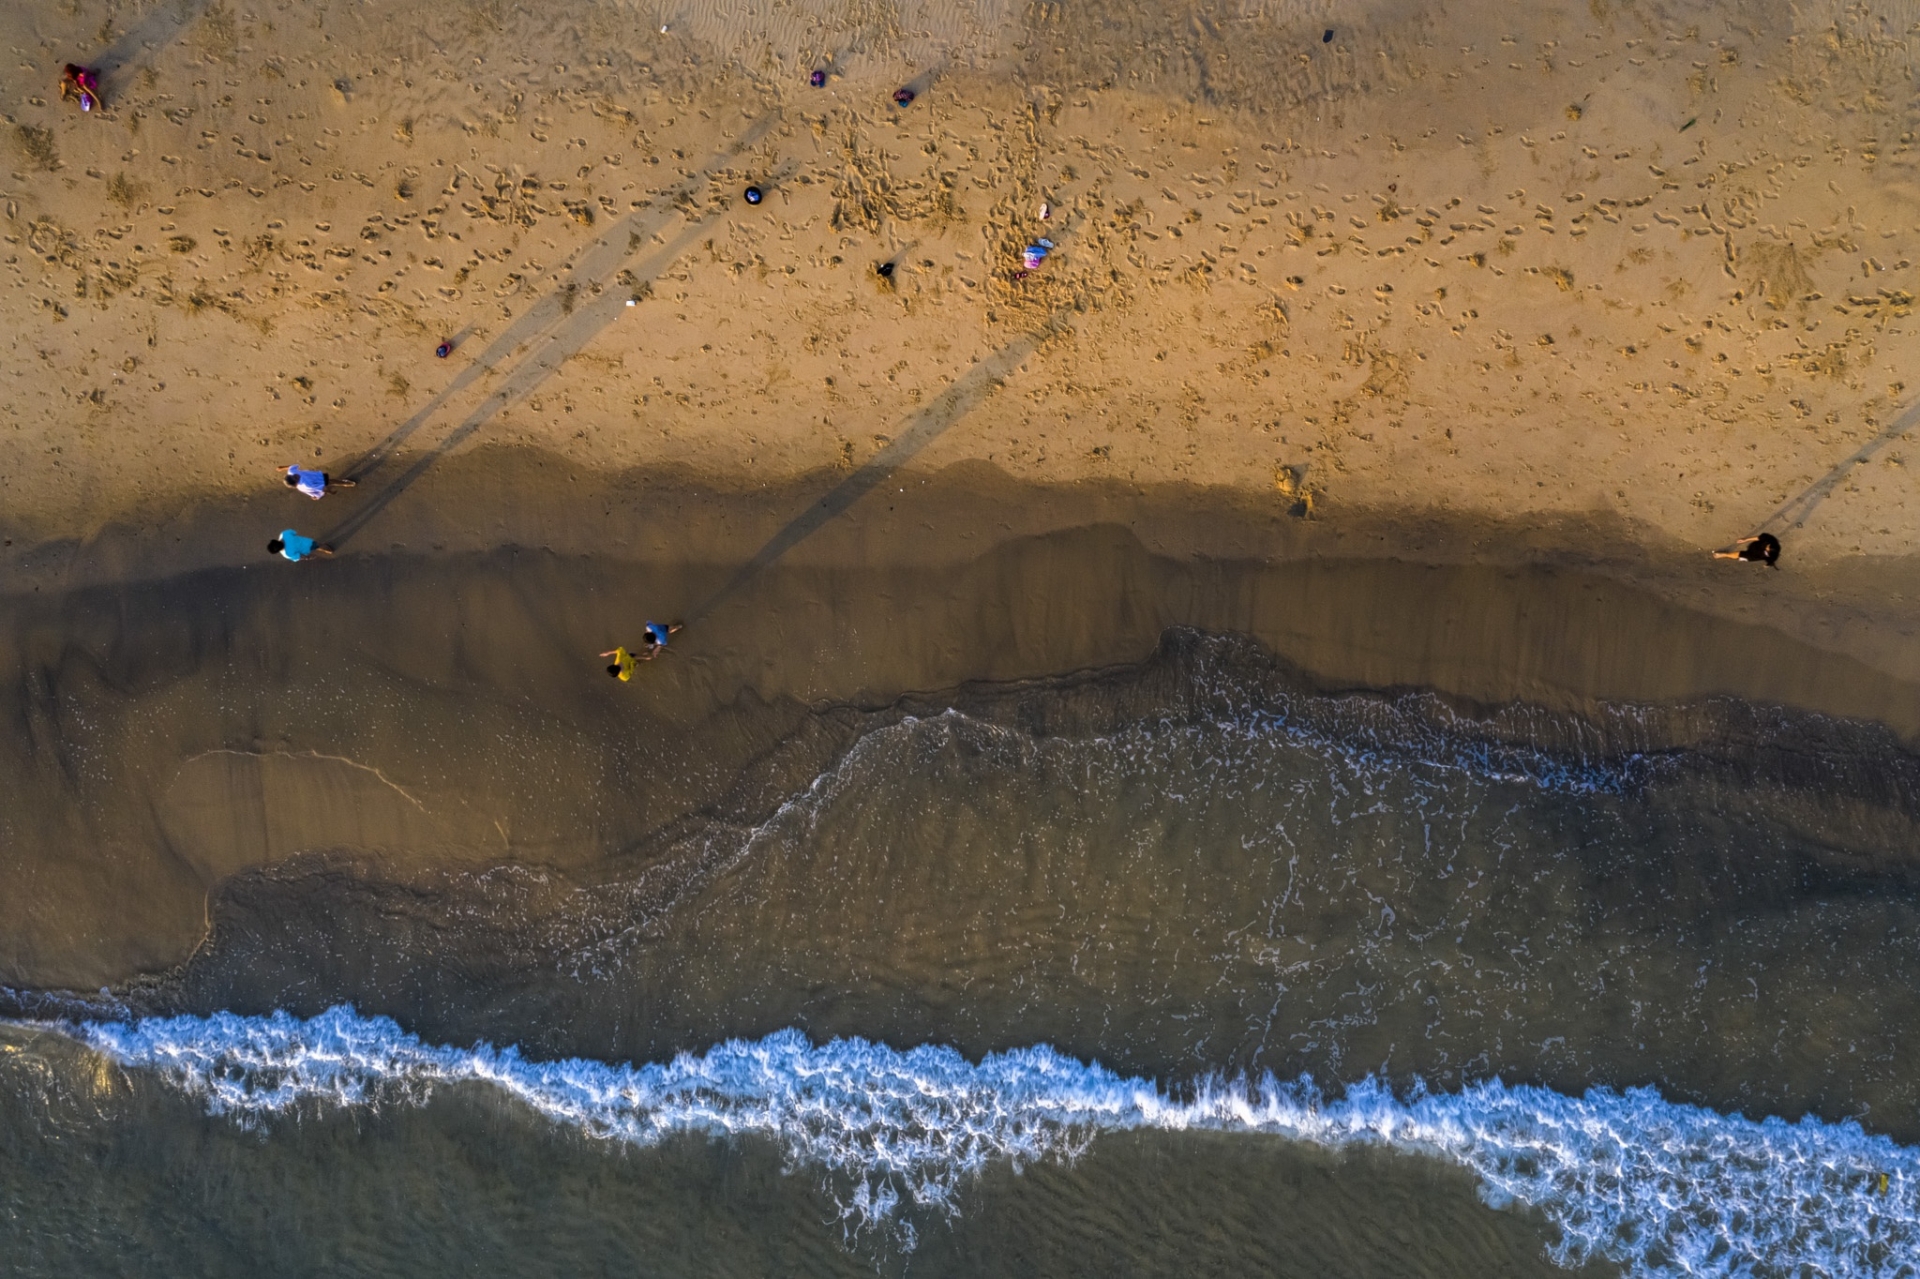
597	265
148	36
553	349
922	429
1796	509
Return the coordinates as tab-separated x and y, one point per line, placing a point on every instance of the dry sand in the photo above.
1648	262
1553	298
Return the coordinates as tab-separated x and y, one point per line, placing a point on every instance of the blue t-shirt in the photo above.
295	547
657	633
312	483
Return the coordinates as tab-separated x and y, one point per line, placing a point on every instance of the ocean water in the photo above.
1188	967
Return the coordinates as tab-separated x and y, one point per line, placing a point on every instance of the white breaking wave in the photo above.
1655	1186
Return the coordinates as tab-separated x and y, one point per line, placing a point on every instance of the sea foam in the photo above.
1658	1187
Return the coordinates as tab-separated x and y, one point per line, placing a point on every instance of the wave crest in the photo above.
1658	1187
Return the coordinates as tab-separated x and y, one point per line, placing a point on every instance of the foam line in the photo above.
1658	1187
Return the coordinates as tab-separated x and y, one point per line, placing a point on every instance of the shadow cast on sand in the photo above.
556	346
558	327
922	429
147	37
1796	510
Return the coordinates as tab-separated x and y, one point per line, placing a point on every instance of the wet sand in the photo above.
441	705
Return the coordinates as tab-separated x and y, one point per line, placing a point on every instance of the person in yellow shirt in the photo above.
650	648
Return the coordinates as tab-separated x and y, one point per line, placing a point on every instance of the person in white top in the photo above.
315	484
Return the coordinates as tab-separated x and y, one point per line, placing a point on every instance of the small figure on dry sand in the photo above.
79	82
650	646
1761	548
315	484
292	546
904	97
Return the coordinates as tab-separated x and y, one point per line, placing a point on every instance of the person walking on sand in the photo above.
315	484
650	646
294	547
1761	548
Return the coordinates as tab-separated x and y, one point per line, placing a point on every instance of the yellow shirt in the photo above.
625	661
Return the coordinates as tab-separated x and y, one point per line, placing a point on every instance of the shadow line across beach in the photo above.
1796	510
922	429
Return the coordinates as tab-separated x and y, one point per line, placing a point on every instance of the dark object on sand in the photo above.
903	97
884	270
443	350
818	79
1326	37
1761	548
79	82
753	195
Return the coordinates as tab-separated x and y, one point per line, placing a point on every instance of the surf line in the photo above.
1654	1186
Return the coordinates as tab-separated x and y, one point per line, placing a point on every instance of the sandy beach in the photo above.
1430	346
1617	263
1208	734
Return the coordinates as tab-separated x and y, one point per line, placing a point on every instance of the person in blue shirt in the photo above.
315	484
292	546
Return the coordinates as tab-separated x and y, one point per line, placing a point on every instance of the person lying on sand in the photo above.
78	82
295	547
1761	548
315	484
650	646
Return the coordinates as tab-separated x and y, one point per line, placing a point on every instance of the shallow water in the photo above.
1213	882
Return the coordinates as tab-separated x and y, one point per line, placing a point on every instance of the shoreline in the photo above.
437	704
888	519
